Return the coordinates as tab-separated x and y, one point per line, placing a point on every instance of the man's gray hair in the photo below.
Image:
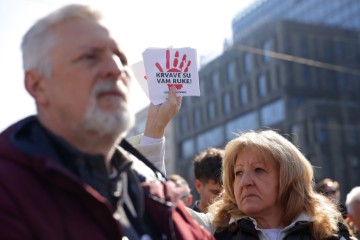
352	197
38	41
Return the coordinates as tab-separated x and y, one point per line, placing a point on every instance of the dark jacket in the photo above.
195	206
300	231
45	194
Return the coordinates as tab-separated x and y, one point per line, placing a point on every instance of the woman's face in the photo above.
256	185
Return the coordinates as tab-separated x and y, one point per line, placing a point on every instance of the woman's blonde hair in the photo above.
296	183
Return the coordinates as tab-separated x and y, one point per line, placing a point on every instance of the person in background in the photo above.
353	206
207	172
181	182
269	194
63	174
331	189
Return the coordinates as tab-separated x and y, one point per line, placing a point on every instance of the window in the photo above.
262	85
184	125
354	161
211	110
303	47
227	103
215	81
197	117
244	97
213	137
306	76
341	80
351	134
321	133
339	50
202	84
272	113
290	73
316	80
355	164
266	47
331	80
242	123
327	50
295	102
247	62
186	101
188	148
231	73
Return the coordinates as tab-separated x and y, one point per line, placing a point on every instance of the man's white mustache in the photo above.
111	85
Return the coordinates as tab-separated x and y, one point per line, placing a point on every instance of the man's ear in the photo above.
198	185
34	84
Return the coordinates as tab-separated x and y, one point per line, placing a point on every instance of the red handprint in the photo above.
175	67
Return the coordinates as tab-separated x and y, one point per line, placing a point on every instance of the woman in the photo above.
269	194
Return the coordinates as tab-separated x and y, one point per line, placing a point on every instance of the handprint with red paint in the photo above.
175	67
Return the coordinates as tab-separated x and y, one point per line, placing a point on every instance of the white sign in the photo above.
167	67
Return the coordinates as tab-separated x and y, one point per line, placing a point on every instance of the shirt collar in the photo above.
302	217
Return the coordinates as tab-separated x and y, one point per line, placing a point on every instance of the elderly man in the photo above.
62	173
353	207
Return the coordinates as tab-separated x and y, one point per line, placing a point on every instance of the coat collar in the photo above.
302	217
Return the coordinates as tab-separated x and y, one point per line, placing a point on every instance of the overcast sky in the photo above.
136	24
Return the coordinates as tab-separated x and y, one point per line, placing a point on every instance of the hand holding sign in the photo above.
171	67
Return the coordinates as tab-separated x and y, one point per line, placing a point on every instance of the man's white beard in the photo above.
113	123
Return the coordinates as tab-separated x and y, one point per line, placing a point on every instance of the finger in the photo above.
172	95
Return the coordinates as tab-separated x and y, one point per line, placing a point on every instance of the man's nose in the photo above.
113	67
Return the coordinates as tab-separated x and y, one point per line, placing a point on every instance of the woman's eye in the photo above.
259	170
238	173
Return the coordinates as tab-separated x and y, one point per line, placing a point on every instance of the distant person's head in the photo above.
181	182
353	206
207	171
78	77
268	179
329	188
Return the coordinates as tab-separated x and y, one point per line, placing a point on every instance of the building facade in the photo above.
293	66
340	13
300	79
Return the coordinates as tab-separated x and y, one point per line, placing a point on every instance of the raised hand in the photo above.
159	116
